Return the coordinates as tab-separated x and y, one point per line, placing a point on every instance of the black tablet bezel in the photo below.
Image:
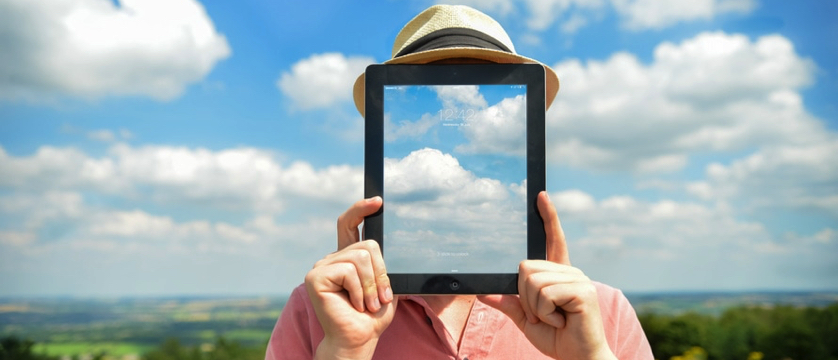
531	75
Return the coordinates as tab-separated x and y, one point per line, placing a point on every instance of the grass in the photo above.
248	335
206	335
75	348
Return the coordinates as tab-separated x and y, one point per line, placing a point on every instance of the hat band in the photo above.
453	37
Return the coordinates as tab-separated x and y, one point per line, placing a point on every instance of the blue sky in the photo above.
180	147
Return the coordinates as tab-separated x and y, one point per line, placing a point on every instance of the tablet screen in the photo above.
455	170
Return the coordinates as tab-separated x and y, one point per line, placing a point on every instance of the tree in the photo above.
223	349
13	348
793	340
674	336
171	349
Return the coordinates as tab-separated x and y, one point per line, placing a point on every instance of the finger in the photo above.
336	278
532	289
353	286
562	300
349	221
557	291
382	280
537	266
547	309
366	257
535	275
556	244
525	292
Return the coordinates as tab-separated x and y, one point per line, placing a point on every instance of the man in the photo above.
346	308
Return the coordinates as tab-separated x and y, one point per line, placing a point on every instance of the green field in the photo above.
718	325
120	327
76	348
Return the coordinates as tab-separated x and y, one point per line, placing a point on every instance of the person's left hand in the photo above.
557	308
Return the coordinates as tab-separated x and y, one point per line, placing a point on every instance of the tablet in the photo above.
457	154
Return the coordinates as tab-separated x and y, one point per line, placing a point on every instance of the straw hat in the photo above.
455	31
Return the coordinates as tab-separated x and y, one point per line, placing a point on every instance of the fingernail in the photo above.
376	305
388	294
374	199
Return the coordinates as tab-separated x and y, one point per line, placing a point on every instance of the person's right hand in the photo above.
352	297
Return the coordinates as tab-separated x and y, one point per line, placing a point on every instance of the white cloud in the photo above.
718	68
16	238
210	215
105	135
242	178
825	236
271	257
574	201
498	129
220	214
501	7
636	15
671	241
573	24
428	175
232	178
101	135
137	223
139	231
543	13
459	96
37	217
93	48
803	176
322	80
658	14
407	128
715	92
70	249
50	168
432	187
435	205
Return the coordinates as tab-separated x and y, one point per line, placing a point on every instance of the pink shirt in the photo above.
417	333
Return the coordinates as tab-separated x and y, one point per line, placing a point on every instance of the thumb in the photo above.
349	221
556	243
507	304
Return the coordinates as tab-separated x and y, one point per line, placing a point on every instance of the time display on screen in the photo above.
456	114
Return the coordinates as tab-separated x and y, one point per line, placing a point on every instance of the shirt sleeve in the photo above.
622	328
297	332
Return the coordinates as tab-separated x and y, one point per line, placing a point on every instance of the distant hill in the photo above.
714	303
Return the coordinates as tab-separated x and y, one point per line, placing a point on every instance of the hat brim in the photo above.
551	79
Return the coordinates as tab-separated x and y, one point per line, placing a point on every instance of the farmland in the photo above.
132	328
119	327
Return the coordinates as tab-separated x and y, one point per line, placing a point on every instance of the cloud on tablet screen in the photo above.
498	129
439	206
429	185
459	96
429	175
406	128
